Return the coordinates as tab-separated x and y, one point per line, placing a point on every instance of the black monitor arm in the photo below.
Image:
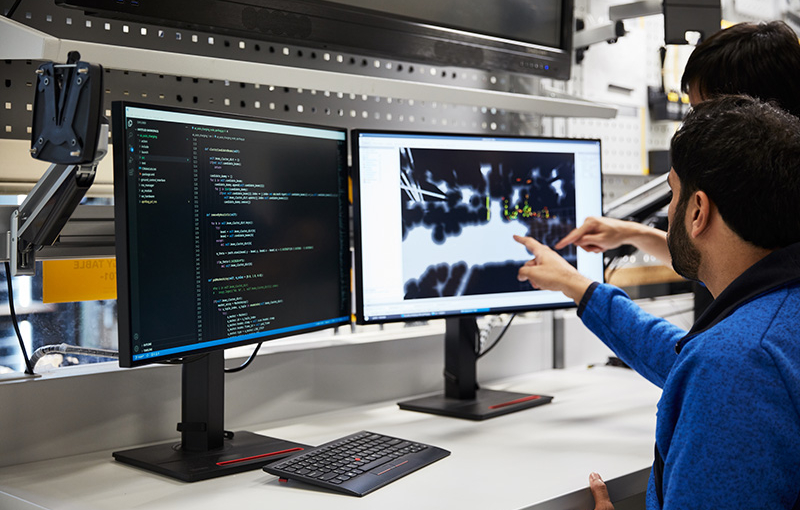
38	222
70	132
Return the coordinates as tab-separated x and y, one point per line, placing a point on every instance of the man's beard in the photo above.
685	257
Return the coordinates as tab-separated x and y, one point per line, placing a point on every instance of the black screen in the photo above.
518	20
524	36
232	230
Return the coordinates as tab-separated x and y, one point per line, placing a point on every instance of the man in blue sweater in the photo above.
729	416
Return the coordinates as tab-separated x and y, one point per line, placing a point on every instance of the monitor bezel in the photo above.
333	26
122	234
358	297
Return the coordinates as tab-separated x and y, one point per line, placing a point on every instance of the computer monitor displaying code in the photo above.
435	217
233	230
229	231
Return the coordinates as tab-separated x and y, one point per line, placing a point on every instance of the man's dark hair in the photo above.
745	155
761	60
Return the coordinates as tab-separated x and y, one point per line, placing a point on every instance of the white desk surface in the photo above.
602	419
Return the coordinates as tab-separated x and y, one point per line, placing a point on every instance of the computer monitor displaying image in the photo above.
434	218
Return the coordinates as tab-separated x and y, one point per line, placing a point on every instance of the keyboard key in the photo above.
357	464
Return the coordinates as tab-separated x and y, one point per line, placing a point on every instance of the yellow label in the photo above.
65	281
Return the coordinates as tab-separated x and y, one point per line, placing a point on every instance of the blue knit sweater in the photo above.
728	423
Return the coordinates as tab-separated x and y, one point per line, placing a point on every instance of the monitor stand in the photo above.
206	450
461	397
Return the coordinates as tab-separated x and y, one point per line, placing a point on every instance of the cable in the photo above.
246	363
183	361
485	331
499	337
175	361
70	349
28	366
13	8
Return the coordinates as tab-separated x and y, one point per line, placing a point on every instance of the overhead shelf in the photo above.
20	42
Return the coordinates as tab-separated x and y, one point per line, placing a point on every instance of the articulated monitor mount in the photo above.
69	131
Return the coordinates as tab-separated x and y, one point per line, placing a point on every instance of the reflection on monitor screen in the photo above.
435	217
229	231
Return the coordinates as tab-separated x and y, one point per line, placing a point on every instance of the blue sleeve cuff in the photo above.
586	297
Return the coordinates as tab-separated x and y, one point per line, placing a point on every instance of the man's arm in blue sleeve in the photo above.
643	341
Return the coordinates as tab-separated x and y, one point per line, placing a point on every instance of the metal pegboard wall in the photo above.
301	105
16	98
622	139
654	30
659	133
313	104
615	185
582	10
628	138
754	10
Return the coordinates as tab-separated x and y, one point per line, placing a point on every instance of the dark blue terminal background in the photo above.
234	234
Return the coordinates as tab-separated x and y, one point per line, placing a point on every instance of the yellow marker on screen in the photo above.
64	281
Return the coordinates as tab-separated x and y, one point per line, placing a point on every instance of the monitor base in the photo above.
486	404
243	452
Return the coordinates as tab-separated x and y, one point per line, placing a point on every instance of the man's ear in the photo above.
700	210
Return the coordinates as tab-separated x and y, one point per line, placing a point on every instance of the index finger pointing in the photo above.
530	243
572	236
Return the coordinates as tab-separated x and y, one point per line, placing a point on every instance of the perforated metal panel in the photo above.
313	104
759	9
622	140
659	133
653	27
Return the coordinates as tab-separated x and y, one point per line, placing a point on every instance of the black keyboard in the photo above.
357	464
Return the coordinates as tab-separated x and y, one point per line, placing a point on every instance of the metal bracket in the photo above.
69	131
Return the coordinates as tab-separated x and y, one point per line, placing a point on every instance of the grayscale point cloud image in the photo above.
460	209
